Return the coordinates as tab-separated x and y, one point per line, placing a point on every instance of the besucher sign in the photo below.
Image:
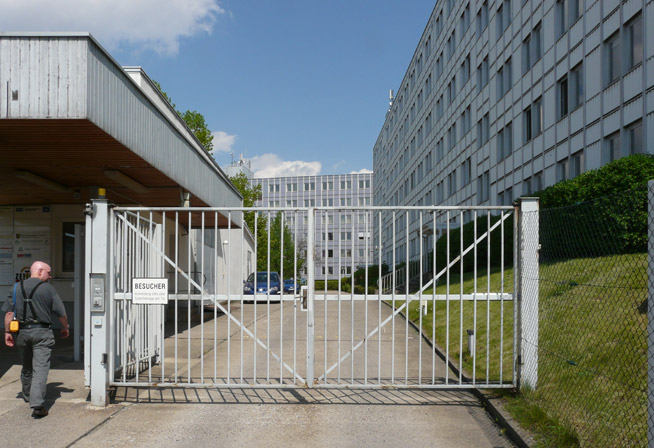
150	291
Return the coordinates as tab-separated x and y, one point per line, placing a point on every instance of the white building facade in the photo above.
343	241
506	97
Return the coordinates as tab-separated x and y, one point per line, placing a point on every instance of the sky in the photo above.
299	87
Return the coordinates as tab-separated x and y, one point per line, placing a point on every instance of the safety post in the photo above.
528	226
96	291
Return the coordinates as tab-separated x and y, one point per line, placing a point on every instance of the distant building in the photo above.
238	167
506	97
341	237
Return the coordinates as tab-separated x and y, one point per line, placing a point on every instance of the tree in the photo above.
194	120
268	225
196	123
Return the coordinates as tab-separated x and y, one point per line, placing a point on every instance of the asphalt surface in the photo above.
210	416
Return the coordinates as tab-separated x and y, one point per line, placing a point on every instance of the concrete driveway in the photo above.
209	416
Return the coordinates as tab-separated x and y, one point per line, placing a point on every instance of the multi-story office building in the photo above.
506	97
342	237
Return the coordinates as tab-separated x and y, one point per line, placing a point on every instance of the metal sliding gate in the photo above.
286	301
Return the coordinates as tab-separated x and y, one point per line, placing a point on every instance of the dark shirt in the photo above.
45	301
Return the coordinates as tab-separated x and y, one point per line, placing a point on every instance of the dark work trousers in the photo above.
35	347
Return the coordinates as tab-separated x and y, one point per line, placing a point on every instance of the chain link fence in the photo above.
592	341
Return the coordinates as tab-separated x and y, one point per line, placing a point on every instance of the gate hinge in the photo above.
104	359
520	360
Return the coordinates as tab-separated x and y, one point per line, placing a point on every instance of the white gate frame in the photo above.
99	288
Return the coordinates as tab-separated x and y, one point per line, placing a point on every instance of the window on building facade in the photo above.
562	92
482	18
613	57
533	120
504	142
527	125
273	188
483	130
483	187
532	49
291	186
327	186
451	183
346	185
465	71
309	186
465	20
327	202
567	13
466	169
508	75
346	236
634	34
635	138
346	253
576	87
500	83
576	164
562	170
612	148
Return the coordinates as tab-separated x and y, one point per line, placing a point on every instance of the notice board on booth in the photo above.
24	239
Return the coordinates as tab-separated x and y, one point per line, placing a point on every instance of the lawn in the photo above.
592	344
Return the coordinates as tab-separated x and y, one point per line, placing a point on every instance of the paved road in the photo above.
207	416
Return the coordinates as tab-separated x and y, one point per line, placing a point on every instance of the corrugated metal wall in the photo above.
72	77
42	77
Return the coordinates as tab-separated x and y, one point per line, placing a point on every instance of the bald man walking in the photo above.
33	301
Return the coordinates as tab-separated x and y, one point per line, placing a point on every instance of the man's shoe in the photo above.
39	412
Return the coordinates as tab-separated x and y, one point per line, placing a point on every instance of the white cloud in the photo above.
145	24
270	165
362	171
222	141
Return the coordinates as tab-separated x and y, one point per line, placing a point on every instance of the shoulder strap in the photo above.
15	284
28	301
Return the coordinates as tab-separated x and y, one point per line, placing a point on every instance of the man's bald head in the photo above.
40	270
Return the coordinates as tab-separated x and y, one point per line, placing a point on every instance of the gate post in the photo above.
311	240
98	228
650	314
528	225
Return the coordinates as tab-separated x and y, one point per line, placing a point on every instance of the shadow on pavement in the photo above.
204	395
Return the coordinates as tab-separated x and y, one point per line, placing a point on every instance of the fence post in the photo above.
528	294
97	297
650	314
311	240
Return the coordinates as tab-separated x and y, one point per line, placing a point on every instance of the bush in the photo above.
468	239
332	285
373	275
593	207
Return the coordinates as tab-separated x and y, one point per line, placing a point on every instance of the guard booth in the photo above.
74	123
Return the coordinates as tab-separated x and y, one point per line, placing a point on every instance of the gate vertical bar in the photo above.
310	291
99	251
529	278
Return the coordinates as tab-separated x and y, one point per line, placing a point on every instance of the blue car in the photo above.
290	285
262	283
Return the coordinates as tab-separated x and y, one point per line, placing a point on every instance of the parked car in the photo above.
290	285
262	283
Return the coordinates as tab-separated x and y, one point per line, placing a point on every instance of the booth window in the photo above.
68	246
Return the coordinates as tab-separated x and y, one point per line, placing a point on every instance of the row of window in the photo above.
345	253
326	202
311	186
